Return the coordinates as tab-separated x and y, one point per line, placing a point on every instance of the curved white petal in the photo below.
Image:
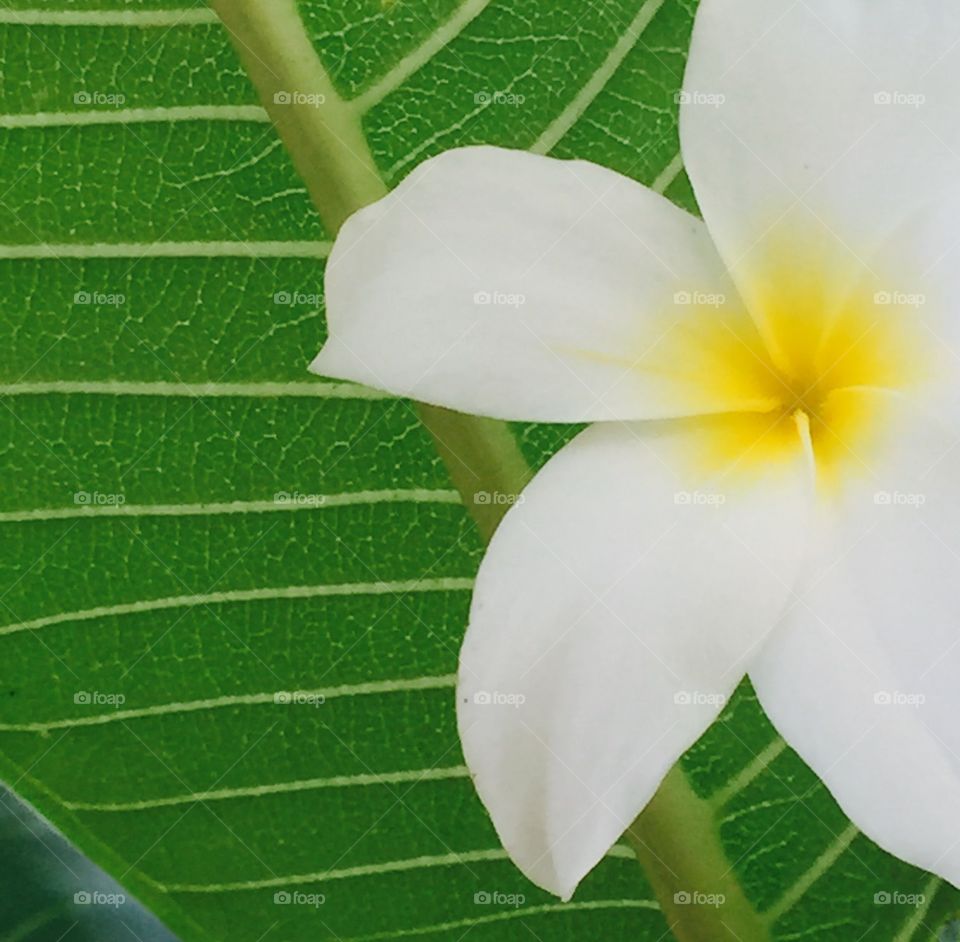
861	677
506	284
617	607
825	122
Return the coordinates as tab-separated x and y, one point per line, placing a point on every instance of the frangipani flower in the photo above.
772	483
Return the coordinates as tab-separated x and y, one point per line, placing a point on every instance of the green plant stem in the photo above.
320	130
675	838
678	845
483	461
323	135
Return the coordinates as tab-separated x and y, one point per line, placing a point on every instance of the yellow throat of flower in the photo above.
823	357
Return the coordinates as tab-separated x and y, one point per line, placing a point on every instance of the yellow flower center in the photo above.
823	357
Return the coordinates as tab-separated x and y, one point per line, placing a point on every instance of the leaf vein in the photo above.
449	584
280	698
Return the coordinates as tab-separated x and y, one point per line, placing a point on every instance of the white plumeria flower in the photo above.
772	485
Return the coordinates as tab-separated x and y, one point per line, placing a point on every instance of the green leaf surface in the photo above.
193	525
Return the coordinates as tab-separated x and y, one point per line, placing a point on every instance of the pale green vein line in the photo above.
668	175
310	390
520	913
363	870
838	919
344	873
419	57
915	921
244	595
53	119
751	809
283	502
279	699
280	788
292	249
819	867
141	18
253	160
740	781
598	81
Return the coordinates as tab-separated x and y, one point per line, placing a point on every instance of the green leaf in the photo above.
163	267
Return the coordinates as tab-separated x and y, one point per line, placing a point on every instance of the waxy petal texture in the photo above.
505	284
831	121
619	604
861	678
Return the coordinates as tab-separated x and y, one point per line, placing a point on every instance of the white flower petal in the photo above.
506	284
920	265
862	677
824	120
617	606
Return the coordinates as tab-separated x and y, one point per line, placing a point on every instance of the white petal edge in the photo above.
828	122
617	607
511	285
861	677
